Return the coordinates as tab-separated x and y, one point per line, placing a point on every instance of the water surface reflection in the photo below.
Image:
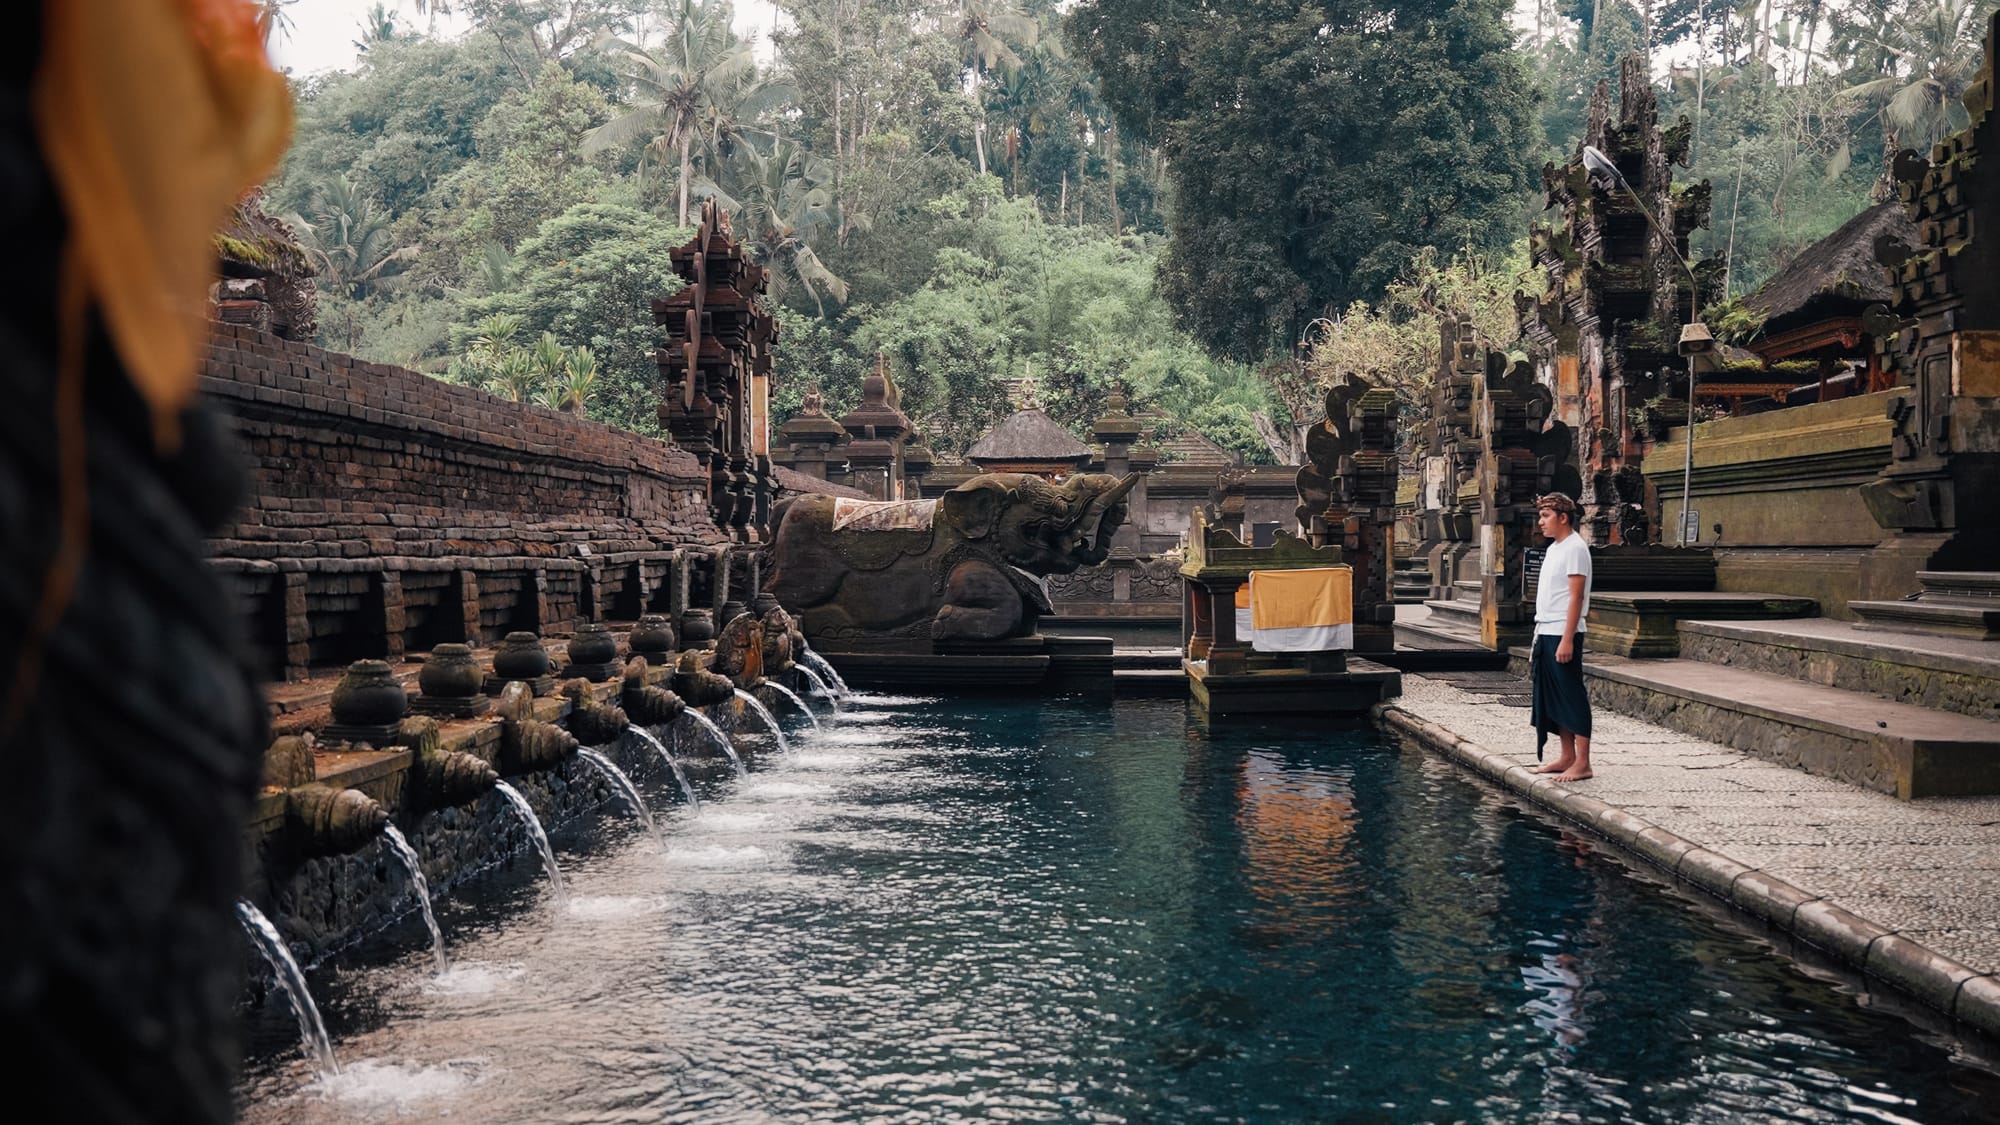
1082	911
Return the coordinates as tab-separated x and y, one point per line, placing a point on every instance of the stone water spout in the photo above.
527	744
699	686
592	722
320	820
739	651
440	778
647	704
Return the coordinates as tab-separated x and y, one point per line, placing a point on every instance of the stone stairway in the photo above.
1411	584
1458	615
1905	713
1152	670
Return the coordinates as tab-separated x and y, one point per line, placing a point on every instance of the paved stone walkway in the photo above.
1927	871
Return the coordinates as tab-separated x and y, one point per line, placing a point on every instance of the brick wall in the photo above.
354	459
390	511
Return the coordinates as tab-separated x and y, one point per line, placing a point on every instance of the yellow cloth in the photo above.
1300	599
155	116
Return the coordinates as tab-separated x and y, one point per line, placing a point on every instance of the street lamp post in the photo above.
1695	339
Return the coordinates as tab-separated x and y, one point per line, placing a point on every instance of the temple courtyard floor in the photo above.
1907	892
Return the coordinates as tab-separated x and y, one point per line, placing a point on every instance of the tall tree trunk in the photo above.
1111	147
979	143
1700	77
838	64
1082	178
687	171
1062	201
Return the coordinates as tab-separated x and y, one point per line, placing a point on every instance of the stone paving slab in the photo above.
1906	891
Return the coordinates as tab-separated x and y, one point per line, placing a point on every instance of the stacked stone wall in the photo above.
389	511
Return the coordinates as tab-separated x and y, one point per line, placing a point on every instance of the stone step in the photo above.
1149	681
1419	651
1459	612
1953	674
1643	622
1438	631
1851	736
1980	623
1147	659
1953	603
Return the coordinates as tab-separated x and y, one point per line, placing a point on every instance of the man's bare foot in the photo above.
1574	774
1560	765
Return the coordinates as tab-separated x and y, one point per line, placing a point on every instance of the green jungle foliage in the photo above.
1218	209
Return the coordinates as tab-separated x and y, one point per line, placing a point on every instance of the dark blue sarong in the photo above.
1559	701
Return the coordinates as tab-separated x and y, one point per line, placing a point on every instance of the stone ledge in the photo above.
1645	623
1909	967
1978	622
1944	674
1889	747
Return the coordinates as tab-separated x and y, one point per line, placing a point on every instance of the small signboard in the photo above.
1690	527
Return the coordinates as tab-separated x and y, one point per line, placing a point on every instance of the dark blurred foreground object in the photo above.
129	722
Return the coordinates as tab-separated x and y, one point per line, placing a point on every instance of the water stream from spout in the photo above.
788	693
770	720
541	838
721	739
680	776
625	788
312	1031
829	671
403	851
821	688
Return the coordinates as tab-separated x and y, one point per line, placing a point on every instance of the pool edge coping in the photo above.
1940	983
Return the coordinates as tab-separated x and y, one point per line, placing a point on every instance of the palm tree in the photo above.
1918	60
548	358
487	349
349	241
273	20
377	25
981	25
676	87
579	379
516	377
781	200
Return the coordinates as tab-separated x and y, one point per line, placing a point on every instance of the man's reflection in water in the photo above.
1561	978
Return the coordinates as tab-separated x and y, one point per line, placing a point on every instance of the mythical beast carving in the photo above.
964	567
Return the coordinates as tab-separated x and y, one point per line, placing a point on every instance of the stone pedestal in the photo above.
1226	676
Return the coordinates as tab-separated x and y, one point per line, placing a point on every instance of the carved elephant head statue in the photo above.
1040	526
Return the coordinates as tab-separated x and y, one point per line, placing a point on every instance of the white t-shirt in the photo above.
1569	555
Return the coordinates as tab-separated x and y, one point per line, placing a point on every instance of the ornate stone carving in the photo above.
963	568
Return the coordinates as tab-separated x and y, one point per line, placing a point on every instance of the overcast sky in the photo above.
323	31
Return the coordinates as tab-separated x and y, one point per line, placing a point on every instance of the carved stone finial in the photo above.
289	762
368	704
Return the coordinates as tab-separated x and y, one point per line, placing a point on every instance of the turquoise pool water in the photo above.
1097	911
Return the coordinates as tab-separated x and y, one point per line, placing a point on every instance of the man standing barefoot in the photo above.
1562	602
